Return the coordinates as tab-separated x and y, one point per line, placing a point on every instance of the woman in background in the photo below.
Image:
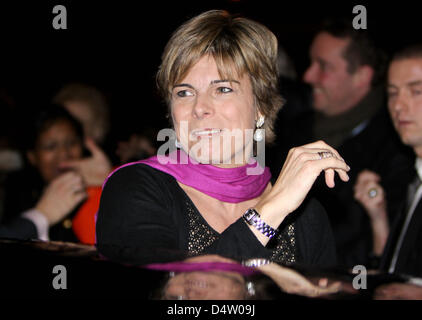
54	198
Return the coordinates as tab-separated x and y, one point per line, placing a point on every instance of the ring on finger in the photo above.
325	154
372	193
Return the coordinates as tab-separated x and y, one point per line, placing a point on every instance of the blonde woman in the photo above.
218	76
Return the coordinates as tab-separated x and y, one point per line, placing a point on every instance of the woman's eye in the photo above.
224	90
48	147
72	143
184	93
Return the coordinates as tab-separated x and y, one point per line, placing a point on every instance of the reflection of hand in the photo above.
302	167
61	196
292	282
398	291
94	169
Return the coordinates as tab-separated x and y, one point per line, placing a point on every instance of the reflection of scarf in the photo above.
232	185
202	266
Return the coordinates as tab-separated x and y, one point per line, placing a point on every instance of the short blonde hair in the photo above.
236	44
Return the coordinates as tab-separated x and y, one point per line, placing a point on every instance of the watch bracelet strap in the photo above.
255	262
260	225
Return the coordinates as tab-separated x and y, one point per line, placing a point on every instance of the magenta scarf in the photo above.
232	185
181	266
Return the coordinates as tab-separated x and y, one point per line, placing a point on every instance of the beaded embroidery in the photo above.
201	236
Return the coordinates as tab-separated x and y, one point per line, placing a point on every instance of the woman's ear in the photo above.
260	119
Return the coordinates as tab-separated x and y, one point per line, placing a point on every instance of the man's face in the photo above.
334	88
405	100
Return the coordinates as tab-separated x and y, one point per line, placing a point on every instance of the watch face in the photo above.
249	216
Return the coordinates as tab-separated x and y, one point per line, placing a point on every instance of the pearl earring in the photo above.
177	144
259	133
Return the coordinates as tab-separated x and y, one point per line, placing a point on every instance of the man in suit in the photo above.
400	243
349	113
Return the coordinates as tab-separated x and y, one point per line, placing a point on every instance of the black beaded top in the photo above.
202	235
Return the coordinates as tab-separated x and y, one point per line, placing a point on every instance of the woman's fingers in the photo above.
322	145
79	196
329	178
331	160
342	174
67	190
302	167
330	163
328	160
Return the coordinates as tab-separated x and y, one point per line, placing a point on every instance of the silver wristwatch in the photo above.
255	263
252	217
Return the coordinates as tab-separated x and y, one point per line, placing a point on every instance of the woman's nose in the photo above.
65	152
202	107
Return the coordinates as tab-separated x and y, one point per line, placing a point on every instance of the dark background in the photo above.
116	45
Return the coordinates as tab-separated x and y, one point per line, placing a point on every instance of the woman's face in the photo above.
214	118
211	285
56	144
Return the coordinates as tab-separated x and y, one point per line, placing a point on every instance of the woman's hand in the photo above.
61	196
369	193
302	167
94	169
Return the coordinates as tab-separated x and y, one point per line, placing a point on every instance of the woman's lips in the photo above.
207	132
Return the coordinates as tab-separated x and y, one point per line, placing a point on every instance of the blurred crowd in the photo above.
54	168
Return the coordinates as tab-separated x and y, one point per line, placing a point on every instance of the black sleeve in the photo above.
18	228
315	237
135	216
239	242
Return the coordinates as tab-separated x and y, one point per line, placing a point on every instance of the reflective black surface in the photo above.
63	270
